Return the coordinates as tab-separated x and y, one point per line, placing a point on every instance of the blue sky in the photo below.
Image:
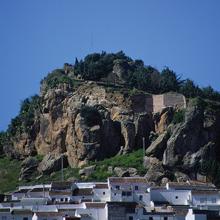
38	36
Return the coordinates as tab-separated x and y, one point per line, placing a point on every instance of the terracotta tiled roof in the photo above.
191	184
128	180
39	189
95	205
205	192
60	192
61	185
22	191
83	192
101	186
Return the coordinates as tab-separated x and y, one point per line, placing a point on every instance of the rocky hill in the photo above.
88	116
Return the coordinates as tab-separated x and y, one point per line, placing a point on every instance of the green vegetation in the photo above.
9	174
133	159
30	108
10	169
96	66
179	116
55	78
68	173
91	116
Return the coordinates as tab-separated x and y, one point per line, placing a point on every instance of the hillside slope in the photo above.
103	107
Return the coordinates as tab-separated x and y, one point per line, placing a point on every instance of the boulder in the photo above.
125	172
157	147
186	137
87	171
181	177
163	119
155	170
128	133
28	168
52	163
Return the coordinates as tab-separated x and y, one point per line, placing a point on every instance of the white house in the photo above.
93	211
207	199
129	189
169	196
195	215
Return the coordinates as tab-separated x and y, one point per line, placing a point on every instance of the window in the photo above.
176	197
140	198
165	218
114	194
202	200
66	199
117	187
136	187
126	193
213	200
130	218
144	211
103	193
25	218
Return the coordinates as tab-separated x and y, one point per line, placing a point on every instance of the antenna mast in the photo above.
62	179
143	139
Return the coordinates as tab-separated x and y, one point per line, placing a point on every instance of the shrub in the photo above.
55	78
179	116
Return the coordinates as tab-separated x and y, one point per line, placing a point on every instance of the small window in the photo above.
117	187
61	199
66	199
136	187
128	193
103	193
165	218
25	218
213	200
202	200
130	218
140	198
114	194
176	197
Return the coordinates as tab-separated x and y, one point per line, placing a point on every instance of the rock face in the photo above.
93	122
28	167
86	171
111	125
51	163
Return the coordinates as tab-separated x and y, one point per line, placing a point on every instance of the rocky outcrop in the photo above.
60	127
52	163
87	171
125	172
28	168
116	122
158	146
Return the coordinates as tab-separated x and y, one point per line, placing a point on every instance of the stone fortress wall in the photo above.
155	103
168	100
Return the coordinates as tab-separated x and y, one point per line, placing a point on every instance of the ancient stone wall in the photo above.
155	103
174	100
158	103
